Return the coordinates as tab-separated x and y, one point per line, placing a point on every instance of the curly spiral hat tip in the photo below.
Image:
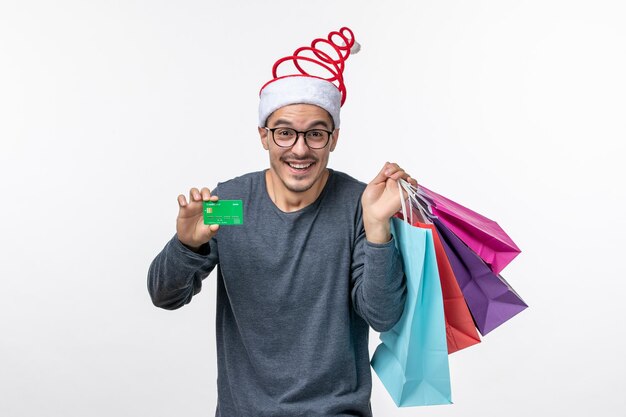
312	74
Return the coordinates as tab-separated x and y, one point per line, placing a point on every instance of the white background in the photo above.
110	109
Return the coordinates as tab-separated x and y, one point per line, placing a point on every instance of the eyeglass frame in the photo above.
330	134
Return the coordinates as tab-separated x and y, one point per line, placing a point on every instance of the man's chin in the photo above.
299	186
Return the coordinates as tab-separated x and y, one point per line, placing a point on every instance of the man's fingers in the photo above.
390	168
382	175
206	194
400	173
392	171
194	195
396	173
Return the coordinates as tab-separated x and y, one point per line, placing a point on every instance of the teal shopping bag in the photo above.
412	360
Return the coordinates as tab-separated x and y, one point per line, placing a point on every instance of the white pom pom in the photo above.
355	48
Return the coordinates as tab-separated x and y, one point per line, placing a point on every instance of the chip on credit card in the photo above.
223	212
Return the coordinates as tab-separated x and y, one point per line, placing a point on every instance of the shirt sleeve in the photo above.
378	283
176	273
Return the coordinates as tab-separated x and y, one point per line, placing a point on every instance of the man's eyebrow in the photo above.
282	122
314	123
319	123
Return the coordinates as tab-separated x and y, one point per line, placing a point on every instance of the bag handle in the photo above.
418	193
422	206
400	191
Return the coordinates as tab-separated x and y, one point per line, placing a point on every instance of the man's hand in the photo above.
381	200
190	227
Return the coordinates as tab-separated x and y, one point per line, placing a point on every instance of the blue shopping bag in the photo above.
412	360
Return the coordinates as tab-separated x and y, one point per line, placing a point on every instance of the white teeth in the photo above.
299	166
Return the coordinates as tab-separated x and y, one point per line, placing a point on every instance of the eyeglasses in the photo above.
286	138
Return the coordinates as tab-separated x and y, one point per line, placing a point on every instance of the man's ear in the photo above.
334	139
263	133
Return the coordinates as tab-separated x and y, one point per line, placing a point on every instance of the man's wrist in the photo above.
191	248
376	231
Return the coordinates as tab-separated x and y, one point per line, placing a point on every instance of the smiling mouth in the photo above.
300	166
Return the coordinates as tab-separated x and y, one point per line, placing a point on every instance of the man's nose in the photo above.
300	147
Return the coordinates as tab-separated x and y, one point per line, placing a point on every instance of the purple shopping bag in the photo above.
490	298
482	235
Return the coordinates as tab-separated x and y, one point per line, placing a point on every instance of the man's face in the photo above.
299	168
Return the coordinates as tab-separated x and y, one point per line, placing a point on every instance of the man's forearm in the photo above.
176	274
379	290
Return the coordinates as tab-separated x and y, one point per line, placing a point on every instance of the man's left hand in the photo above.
381	200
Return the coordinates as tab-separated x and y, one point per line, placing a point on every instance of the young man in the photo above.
313	265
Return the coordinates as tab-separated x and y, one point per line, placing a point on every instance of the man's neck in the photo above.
289	201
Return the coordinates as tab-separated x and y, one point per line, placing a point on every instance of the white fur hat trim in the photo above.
299	89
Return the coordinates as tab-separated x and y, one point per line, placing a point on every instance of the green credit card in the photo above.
223	212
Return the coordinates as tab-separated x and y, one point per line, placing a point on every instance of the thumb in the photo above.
205	232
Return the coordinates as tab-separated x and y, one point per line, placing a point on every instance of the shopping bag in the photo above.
412	359
482	235
491	300
460	329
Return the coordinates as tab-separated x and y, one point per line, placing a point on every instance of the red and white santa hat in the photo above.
315	76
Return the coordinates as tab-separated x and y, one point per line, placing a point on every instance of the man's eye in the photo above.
316	134
283	132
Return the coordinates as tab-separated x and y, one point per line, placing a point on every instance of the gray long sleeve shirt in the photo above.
295	295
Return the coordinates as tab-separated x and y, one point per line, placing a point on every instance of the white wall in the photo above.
110	109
